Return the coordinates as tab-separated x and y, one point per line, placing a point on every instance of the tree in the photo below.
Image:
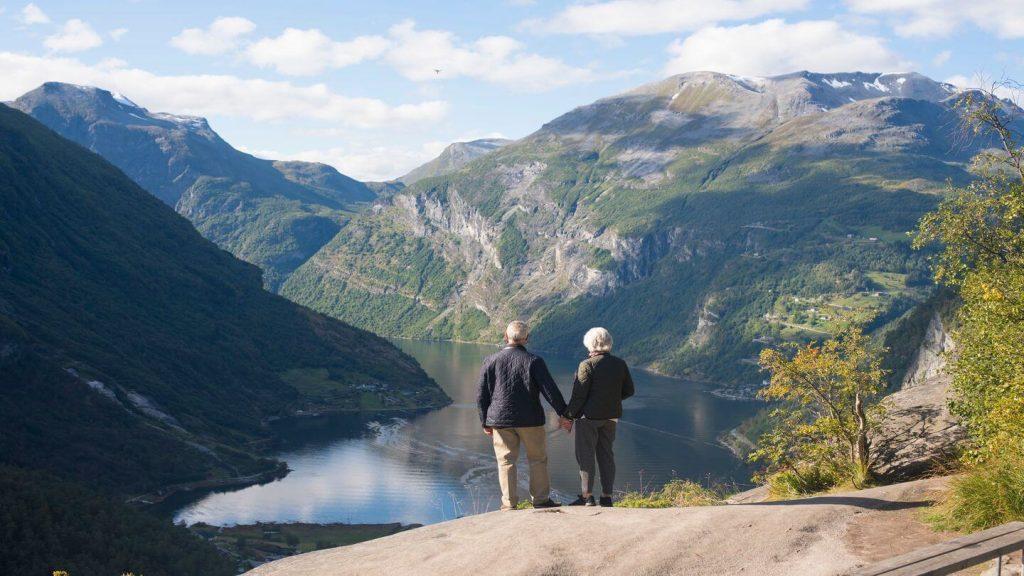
981	230
829	396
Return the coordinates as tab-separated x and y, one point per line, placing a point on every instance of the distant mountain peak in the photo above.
453	157
94	104
856	85
741	103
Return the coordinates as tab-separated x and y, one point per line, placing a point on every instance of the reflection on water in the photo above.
437	466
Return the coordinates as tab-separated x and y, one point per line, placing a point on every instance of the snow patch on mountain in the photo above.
122	99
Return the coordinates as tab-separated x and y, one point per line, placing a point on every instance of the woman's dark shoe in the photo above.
606	501
547	504
581	501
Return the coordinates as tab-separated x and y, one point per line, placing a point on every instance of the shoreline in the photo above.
184	493
165	493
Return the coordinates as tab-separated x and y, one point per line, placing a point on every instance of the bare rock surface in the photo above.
821	535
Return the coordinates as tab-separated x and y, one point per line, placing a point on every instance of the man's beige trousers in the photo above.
506	448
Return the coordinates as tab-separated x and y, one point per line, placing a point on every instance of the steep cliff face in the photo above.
783	201
930	360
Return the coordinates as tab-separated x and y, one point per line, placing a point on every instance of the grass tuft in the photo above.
990	493
677	493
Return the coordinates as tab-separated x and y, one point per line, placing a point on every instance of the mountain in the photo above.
134	354
698	218
272	214
454	157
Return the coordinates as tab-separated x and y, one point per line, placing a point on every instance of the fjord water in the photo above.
439	465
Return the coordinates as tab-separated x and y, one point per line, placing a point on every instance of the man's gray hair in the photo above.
518	332
598	340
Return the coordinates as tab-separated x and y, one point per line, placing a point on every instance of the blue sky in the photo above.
376	88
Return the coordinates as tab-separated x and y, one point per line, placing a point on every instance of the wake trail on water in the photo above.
688	439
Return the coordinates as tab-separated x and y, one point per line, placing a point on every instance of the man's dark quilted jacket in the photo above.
511	383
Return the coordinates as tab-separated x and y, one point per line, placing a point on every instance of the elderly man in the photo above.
602	383
508	396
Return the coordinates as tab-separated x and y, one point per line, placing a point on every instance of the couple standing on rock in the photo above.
508	396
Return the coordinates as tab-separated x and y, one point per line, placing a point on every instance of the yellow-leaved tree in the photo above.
828	396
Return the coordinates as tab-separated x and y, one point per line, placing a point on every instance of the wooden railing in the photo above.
954	555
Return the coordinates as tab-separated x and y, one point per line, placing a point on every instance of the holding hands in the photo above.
565	424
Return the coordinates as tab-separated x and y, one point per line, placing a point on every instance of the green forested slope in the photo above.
47	524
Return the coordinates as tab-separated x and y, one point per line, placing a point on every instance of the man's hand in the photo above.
488	430
565	424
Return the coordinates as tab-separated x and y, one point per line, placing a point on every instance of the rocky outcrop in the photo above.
918	435
822	535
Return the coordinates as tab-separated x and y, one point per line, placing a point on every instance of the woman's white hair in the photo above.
598	340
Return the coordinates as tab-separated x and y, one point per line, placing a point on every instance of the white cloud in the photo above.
209	94
74	36
928	18
776	47
221	36
418	55
32	14
425	55
118	33
306	52
639	17
942	57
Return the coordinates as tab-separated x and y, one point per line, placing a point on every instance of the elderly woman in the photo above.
602	383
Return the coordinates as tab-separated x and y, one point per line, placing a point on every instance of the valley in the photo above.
169	305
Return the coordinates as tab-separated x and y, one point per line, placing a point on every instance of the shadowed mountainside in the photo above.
272	214
134	353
